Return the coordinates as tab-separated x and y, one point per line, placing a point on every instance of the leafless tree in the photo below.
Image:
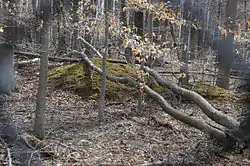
104	68
45	11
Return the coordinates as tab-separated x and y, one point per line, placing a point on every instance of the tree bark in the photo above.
104	68
7	81
192	121
62	46
138	21
150	35
39	126
36	12
225	49
211	112
76	25
123	17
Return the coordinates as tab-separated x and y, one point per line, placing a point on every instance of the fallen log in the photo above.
209	110
55	59
185	118
35	57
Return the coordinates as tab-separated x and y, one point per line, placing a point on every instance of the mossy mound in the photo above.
85	82
212	93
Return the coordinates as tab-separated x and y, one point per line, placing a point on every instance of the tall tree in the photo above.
150	34
225	46
185	56
75	17
138	21
7	82
62	11
36	10
104	68
124	23
45	15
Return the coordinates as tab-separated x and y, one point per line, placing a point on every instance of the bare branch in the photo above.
89	45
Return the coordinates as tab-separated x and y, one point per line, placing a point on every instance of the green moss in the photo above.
80	79
159	89
212	93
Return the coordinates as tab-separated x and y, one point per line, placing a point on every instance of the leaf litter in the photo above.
125	138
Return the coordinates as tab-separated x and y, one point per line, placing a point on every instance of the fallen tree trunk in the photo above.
210	111
35	55
192	121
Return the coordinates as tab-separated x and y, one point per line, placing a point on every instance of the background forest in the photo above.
124	82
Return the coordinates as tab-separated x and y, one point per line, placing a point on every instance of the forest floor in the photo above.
125	138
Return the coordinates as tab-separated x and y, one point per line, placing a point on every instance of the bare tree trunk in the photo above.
138	21
61	45
34	6
123	17
75	16
150	35
180	32
104	68
245	30
39	127
206	25
36	10
184	68
6	69
225	49
149	60
175	45
99	11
